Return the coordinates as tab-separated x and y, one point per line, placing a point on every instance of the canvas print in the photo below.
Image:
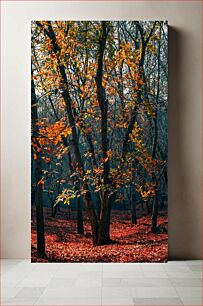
99	104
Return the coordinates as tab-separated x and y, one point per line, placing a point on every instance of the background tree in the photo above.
38	173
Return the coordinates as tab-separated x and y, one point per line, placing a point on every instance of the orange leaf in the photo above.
52	56
41	182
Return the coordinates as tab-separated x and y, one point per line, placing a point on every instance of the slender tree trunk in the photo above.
80	227
92	217
38	176
156	188
103	103
104	224
98	208
58	207
105	210
155	208
40	217
134	211
53	210
133	204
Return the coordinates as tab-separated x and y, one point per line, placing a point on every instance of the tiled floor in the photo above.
174	283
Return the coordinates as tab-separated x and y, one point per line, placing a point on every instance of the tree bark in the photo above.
103	102
92	217
53	210
105	220
80	227
133	208
134	212
58	207
156	188
105	210
155	207
38	176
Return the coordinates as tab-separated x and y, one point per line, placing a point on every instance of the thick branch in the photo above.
103	102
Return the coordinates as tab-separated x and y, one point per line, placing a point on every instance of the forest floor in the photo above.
130	243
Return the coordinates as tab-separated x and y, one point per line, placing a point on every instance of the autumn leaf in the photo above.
41	182
52	56
69	131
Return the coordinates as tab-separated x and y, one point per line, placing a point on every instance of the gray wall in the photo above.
184	113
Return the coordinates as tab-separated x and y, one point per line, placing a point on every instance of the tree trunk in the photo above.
104	224
105	219
105	209
92	216
53	210
133	204
58	207
80	227
156	188
40	220
155	209
103	102
98	208
38	176
155	202
134	212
